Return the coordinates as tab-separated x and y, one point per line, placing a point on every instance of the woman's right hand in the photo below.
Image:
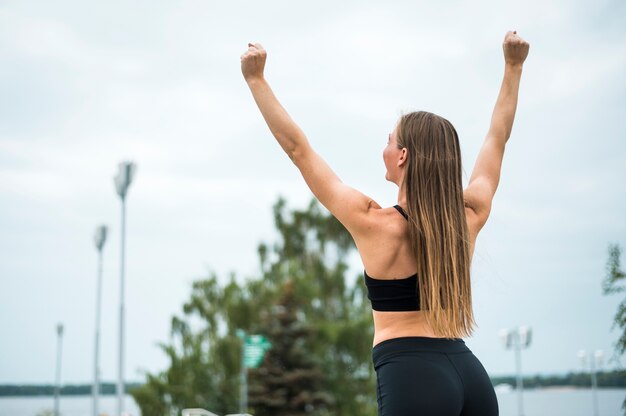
253	62
515	49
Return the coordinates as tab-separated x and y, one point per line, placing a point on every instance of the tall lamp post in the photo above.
595	361
57	385
123	179
517	338
243	375
99	238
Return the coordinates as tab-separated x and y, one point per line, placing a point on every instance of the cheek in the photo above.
388	157
386	154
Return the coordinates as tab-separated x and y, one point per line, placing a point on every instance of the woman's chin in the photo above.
388	178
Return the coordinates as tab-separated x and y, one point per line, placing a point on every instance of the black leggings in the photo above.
421	376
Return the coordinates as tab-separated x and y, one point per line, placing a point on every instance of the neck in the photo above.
401	196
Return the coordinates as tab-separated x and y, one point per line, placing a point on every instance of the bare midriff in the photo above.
388	325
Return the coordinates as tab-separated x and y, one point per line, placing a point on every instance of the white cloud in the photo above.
39	37
164	89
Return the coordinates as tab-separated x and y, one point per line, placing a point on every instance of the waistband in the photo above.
418	344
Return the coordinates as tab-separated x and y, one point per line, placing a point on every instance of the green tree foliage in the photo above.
289	382
204	364
605	379
615	282
325	318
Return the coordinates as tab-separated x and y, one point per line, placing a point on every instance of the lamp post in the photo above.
595	361
123	179
517	338
57	384
243	375
99	239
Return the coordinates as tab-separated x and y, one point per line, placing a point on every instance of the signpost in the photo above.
252	353
254	350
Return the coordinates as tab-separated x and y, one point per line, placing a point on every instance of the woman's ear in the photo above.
404	156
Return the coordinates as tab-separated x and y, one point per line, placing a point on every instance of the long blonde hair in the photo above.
437	223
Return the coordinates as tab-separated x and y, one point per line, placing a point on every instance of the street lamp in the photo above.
57	385
595	361
517	338
99	238
243	375
123	179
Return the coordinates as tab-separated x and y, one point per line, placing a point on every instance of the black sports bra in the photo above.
393	295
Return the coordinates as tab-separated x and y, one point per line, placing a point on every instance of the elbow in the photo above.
499	136
296	149
290	148
501	129
287	143
507	134
296	154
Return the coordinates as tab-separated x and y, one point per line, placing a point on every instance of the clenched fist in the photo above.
253	62
515	48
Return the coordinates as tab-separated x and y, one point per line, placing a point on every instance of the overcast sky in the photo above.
85	85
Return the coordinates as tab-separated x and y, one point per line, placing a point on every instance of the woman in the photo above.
422	364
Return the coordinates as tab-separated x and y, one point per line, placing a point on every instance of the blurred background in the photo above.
87	85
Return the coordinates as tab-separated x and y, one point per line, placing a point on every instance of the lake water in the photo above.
562	402
68	405
546	402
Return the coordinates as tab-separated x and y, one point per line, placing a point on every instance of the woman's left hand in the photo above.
253	62
515	48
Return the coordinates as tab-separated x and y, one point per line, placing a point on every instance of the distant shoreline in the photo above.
615	379
528	390
45	390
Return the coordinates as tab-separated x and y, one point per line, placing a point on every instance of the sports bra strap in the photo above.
401	211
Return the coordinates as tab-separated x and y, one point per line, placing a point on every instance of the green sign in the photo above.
254	350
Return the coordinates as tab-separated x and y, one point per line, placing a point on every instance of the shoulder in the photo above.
385	248
364	222
378	222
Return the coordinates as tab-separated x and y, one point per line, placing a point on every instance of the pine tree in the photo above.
289	381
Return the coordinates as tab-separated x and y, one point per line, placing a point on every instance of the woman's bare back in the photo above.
386	254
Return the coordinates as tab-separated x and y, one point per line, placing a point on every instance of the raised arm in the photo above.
486	174
348	205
